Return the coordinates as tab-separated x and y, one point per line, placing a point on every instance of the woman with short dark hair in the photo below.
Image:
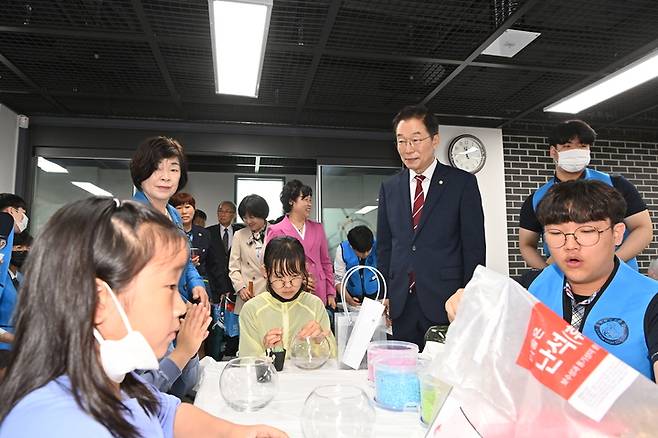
158	170
247	250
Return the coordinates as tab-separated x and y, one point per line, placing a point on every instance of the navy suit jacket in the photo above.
446	247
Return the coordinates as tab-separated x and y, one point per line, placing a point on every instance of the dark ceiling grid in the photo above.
375	56
395	27
297	24
157	54
606	30
383	86
332	12
115	15
508	23
19	73
493	92
586	81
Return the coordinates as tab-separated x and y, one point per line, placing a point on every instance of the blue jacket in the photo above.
190	277
589	174
364	280
616	322
8	294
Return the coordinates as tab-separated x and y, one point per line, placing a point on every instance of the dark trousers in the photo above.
412	324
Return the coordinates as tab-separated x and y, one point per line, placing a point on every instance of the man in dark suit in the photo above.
430	229
221	239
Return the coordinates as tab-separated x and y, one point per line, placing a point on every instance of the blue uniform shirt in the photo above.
51	411
7	289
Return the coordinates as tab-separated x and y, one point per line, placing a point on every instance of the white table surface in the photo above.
294	386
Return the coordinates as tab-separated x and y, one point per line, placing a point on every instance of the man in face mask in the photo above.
13	221
19	252
570	144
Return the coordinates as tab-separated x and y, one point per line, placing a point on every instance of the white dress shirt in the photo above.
425	184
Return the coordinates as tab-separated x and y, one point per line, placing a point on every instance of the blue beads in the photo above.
396	387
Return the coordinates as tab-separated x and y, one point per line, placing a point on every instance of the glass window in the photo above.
349	198
267	187
59	181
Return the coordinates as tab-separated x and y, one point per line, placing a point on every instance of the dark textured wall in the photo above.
528	166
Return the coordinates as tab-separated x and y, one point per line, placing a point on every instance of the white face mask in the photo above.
130	353
574	160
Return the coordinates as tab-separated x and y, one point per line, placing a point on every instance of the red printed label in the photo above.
557	354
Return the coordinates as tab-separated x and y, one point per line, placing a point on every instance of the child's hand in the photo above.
273	337
352	301
312	329
193	330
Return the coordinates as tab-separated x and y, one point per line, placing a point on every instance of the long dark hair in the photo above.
87	239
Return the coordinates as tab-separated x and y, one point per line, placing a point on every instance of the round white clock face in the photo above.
467	152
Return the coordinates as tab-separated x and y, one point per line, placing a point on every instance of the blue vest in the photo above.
183	289
7	290
616	322
357	285
589	174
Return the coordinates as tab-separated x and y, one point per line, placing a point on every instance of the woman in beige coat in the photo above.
246	260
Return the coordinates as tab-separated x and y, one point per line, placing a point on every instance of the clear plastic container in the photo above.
396	383
405	351
433	393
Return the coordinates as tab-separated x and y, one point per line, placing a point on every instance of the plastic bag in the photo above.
344	322
503	393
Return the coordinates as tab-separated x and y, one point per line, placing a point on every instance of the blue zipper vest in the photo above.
356	285
616	322
589	174
8	293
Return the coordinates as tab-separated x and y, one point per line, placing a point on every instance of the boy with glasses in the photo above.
593	290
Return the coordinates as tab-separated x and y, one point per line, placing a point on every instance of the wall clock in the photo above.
467	152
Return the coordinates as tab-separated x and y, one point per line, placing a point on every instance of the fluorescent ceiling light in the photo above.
366	209
632	75
510	43
238	29
91	188
257	166
49	166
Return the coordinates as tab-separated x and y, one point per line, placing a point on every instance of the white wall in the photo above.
491	180
8	148
209	188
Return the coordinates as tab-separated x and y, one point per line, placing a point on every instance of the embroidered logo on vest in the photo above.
613	331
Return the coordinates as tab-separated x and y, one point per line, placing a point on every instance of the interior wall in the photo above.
491	181
209	188
8	149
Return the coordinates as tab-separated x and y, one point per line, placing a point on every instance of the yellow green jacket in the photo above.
264	312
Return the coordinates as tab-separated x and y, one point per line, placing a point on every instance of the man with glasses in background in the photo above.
588	285
570	144
430	229
221	241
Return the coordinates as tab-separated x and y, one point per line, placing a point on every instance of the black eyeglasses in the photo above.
584	236
293	282
415	142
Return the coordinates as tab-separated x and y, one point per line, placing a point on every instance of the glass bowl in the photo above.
310	352
248	383
338	411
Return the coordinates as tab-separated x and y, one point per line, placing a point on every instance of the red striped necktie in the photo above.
419	200
416	212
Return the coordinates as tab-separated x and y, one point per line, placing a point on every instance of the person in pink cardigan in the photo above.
296	201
